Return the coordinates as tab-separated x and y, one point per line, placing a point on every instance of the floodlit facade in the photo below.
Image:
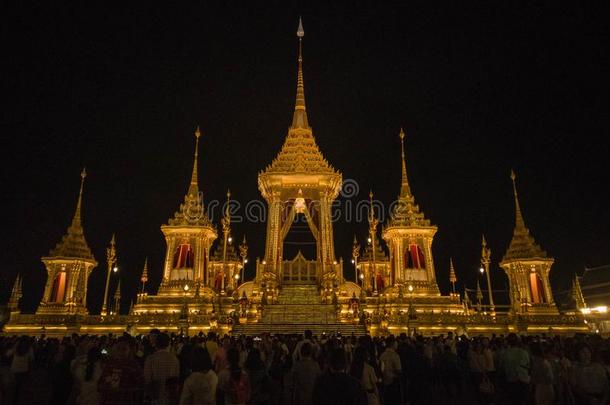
395	290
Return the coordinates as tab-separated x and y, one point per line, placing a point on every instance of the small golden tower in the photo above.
189	235
224	263
68	266
577	296
144	276
452	276
409	237
527	267
374	265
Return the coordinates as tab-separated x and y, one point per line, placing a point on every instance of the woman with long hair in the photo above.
365	373
86	376
233	382
259	379
200	386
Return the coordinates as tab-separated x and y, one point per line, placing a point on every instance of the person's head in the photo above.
308	334
360	354
121	350
336	360
152	336
162	341
233	357
306	350
23	345
536	349
512	340
200	360
583	352
254	361
391	342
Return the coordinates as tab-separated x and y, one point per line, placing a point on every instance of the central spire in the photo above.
194	186
299	119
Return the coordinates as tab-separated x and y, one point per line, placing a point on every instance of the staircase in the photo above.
299	308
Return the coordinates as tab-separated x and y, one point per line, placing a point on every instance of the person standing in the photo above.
515	369
304	375
200	386
121	377
365	373
87	373
391	369
335	387
589	379
233	382
161	372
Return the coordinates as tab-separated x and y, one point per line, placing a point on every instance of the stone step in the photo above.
288	329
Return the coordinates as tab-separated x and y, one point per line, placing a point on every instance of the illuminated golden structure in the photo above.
527	267
299	182
68	266
395	288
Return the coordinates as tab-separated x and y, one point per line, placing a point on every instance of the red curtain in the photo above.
183	258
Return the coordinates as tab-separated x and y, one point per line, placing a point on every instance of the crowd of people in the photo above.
161	368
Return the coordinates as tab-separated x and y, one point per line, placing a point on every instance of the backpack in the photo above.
239	389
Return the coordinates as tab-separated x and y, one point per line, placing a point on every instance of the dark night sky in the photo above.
479	90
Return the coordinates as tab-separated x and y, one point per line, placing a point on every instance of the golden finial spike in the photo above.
483	242
405	190
519	222
300	31
299	119
194	186
144	277
76	221
452	276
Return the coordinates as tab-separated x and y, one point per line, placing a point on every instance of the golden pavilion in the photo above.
395	290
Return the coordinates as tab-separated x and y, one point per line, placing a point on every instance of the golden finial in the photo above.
404	184
300	31
144	277
519	222
299	120
194	186
76	221
227	218
452	276
483	242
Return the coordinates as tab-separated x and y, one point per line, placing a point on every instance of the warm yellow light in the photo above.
369	240
482	270
602	309
236	276
353	261
245	260
410	288
585	310
115	269
230	239
186	287
361	276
